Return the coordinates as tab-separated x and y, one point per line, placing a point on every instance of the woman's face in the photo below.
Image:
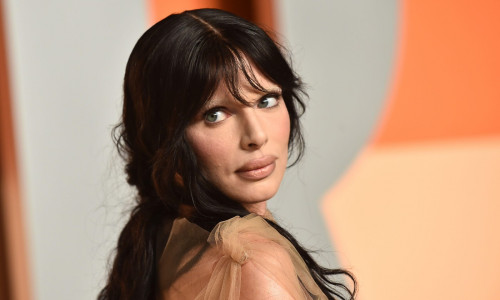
243	150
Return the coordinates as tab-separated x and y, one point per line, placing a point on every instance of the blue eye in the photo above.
215	115
268	101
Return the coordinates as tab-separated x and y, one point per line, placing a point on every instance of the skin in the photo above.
243	150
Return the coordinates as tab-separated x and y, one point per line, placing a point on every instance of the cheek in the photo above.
282	129
209	150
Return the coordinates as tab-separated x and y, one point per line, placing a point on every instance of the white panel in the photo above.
67	61
344	51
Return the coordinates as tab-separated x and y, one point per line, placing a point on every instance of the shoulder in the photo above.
242	258
269	273
267	268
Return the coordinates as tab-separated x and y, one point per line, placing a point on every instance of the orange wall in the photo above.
448	76
418	214
260	12
14	261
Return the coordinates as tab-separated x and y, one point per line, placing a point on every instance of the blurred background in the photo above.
401	179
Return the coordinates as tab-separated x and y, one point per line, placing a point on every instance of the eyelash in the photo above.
221	109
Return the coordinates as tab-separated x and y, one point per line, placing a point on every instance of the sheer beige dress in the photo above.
242	258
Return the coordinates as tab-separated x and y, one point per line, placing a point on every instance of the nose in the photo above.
254	134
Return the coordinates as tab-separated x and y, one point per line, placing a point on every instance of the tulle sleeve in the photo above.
245	259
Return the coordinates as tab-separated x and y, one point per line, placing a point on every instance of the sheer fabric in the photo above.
242	258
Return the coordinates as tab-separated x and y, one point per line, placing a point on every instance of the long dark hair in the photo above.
172	71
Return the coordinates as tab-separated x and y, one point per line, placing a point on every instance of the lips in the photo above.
257	169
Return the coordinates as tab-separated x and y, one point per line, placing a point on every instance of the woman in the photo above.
211	114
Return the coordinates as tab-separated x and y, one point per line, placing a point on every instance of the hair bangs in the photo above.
234	68
229	67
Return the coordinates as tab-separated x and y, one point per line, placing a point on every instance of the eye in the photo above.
215	115
268	101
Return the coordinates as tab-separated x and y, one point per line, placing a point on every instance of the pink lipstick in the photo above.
257	169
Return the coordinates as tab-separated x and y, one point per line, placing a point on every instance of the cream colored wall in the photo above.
67	62
344	51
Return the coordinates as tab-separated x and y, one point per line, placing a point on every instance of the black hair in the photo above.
173	70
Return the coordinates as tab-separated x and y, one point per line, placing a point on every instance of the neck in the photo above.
258	208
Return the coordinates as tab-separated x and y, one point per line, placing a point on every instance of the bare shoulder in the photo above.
269	272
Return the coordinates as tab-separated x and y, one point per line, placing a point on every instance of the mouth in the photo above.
257	169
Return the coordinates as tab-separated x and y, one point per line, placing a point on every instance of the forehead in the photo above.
250	89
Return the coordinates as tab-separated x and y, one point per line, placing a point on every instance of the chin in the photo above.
256	193
257	197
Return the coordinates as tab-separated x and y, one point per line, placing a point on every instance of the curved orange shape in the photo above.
418	214
448	78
